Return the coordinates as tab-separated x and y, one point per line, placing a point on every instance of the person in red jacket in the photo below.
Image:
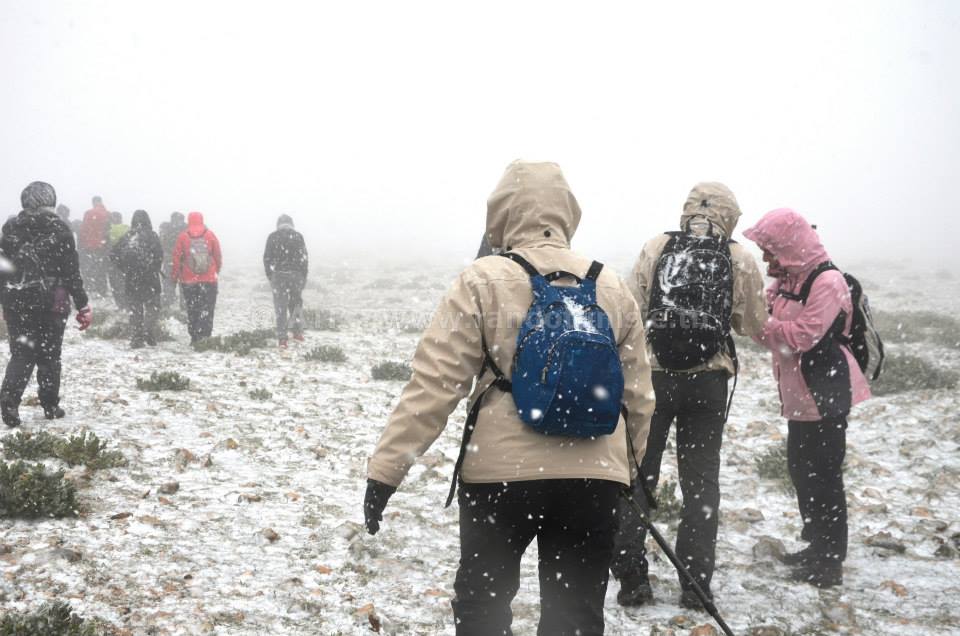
196	263
94	246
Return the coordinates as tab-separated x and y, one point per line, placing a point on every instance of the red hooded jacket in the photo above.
182	258
95	229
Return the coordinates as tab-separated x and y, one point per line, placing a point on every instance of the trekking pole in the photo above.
645	520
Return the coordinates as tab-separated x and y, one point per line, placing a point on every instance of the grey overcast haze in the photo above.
381	127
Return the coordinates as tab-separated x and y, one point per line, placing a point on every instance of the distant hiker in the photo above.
286	264
94	246
63	213
517	484
169	232
36	300
196	265
819	381
139	257
118	229
692	286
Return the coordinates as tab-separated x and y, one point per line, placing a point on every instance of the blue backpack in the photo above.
567	378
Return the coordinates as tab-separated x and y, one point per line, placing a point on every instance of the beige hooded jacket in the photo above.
749	306
532	212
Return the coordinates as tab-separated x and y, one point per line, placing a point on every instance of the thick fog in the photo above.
382	127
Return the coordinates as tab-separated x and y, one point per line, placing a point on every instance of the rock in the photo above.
872	493
946	551
768	548
838	615
348	530
231	444
750	515
681	620
932	526
270	534
920	511
250	497
322	569
704	630
207	461
120	515
5	548
169	488
182	457
894	587
955	538
319	452
72	556
656	630
766	630
885	541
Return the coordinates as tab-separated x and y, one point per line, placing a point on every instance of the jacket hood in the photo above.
177	218
714	201
38	195
790	238
532	206
141	221
285	222
195	224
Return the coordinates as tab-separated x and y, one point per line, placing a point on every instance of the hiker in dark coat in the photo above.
41	274
169	231
138	255
286	264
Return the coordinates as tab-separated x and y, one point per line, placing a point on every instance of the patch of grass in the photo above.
772	466
50	619
320	320
669	505
119	329
326	353
240	343
918	326
398	371
84	449
261	395
30	492
904	372
164	381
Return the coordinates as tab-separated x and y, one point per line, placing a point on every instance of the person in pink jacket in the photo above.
819	382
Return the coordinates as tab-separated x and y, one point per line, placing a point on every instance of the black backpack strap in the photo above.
804	293
522	262
501	382
732	350
594	271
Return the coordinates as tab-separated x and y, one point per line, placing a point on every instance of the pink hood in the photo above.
790	238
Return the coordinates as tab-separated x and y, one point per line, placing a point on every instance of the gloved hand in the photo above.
85	317
374	502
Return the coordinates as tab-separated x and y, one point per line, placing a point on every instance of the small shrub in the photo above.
30	492
904	372
86	449
120	330
261	395
326	353
51	619
772	465
399	371
240	343
320	320
669	505
164	381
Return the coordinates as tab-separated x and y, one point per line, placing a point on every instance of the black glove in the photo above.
374	502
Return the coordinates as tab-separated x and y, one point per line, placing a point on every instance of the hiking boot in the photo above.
151	341
11	414
53	412
690	600
634	591
820	574
800	557
298	337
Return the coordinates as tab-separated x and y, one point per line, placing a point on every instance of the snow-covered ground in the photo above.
202	560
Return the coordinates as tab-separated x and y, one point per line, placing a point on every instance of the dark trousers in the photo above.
144	313
201	300
815	452
36	340
288	302
573	521
697	402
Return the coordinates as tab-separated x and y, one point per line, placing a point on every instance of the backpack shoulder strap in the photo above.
522	262
594	271
804	292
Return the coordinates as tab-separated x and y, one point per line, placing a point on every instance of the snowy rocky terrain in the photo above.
261	534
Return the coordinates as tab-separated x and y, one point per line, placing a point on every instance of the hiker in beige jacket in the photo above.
694	392
517	484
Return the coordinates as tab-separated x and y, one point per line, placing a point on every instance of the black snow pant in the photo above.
144	313
573	521
697	401
815	452
288	302
201	300
36	340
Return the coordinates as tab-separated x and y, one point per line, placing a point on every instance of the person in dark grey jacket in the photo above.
40	274
139	256
286	264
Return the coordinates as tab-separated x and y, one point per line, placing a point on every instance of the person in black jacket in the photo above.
139	256
169	232
41	275
286	264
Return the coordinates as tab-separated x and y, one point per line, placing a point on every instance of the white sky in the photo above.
387	124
